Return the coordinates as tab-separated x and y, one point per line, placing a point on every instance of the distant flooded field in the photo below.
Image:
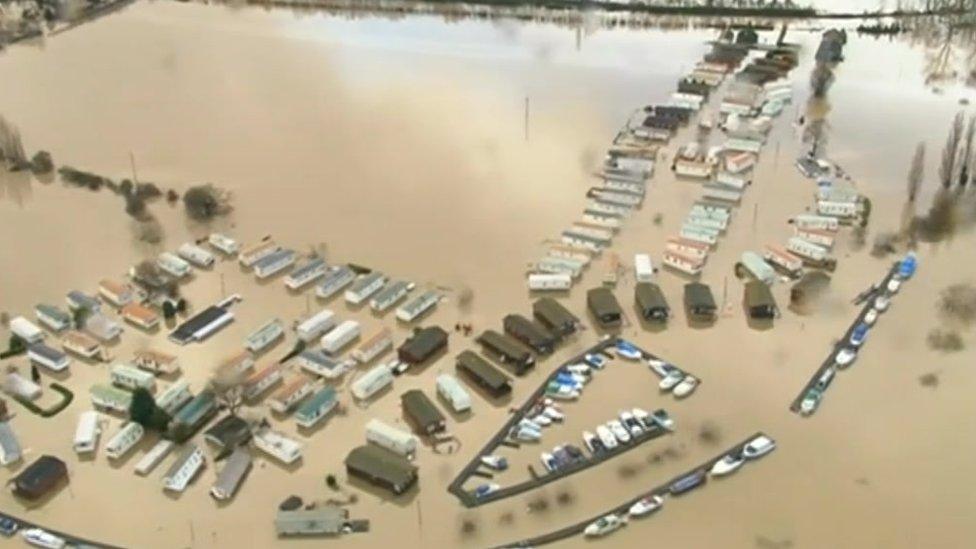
447	153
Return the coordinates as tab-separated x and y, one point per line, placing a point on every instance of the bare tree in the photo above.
950	154
228	389
966	155
916	172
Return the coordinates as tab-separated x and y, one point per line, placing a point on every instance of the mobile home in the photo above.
124	440
413	309
25	330
196	255
48	357
314	326
483	374
732	181
707	222
81	344
77	300
557	265
421	412
819	222
128	377
201	325
224	244
836	209
688	247
683	263
174	397
52	317
422	344
381	467
278	446
340	336
570	252
588	241
306	273
106	397
316	407
86	432
156	362
262	380
786	261
529	333
372	382
140	316
239	364
320	363
550	281
191	417
274	263
257	252
389	295
693	168
116	293
758	268
450	389
722	194
232	474
10	451
507	350
374	346
19	386
364	287
336	278
102	327
818	237
808	251
744	145
268	333
184	469
698	234
643	268
391	438
286	398
740	162
173	265
154	457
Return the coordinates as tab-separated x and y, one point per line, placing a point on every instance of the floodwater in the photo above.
401	145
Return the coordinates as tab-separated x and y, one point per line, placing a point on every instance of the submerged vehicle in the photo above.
758	447
603	526
810	402
686	387
646	505
727	465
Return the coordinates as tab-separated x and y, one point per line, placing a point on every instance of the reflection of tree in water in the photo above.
949	41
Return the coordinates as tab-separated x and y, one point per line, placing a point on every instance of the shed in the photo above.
554	316
699	301
532	334
424	343
507	350
759	301
421	412
381	467
650	301
483	374
605	307
40	477
228	432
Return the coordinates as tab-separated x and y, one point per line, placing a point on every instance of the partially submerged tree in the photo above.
144	411
228	389
950	153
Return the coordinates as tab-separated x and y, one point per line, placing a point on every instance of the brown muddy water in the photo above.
400	145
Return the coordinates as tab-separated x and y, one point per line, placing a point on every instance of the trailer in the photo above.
364	287
758	268
316	325
25	330
174	397
389	295
184	469
224	244
450	389
811	253
340	336
305	274
173	265
393	439
257	252
336	278
132	378
550	281
688	247
837	209
124	440
819	222
86	433
316	407
106	397
264	336
154	457
685	264
707	222
278	445
372	382
784	260
559	265
413	309
274	263
698	234
819	237
643	268
235	470
196	255
374	346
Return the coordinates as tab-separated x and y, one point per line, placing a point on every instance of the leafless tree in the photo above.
228	389
916	172
966	155
950	154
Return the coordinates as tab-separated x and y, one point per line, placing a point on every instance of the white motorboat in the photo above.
42	538
497	463
631	423
606	437
845	356
871	316
618	431
881	303
758	447
727	465
603	526
673	378
646	505
553	413
686	387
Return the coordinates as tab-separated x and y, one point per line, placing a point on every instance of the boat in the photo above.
592	443
727	465
845	357
631	423
859	334
758	447
526	435
553	413
673	378
686	387
871	316
618	430
42	538
603	526
662	419
687	483
606	437
661	367
646	505
497	463
881	303
628	350
548	461
595	360
810	402
485	489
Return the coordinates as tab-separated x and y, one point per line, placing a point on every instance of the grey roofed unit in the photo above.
365	281
228	432
391	291
604	306
554	316
759	300
508	350
9	444
84	300
53	312
47	352
381	466
422	411
699	300
325	519
273	258
235	469
308	267
530	333
188	450
651	302
422	344
483	373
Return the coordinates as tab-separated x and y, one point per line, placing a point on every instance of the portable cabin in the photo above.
683	263
389	295
382	467
329	520
174	397
10	451
306	273
86	433
321	363
413	309
232	474
422	345
196	255
184	469
373	346
364	287
124	440
483	374
314	326
372	382
336	278
758	268
558	281
102	327
421	412
131	378
224	244
201	325
699	301
54	318
651	302
529	333
507	351
554	317
156	362
154	457
106	397
395	440
264	336
759	301
316	407
48	357
81	301
277	445
257	252
173	265
450	389
604	307
340	336
39	478
293	391
274	263
262	380
191	417
140	316
116	293
25	330
688	247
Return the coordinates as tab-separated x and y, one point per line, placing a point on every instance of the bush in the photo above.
42	163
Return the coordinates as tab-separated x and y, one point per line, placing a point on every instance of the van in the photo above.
86	434
393	439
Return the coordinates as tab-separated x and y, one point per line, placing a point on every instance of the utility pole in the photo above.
132	161
223	289
526	118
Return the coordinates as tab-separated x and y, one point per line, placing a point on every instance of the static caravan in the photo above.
336	278
116	293
196	255
306	273
173	265
364	287
507	350
81	344
10	451
529	333
52	317
712	207
316	407
278	446
174	397
77	300
687	247
389	295
483	374
693	168
819	222
257	252
274	263
314	326
626	186
643	268
224	244
550	281
191	417
391	438
832	193
758	268
413	309
19	386
48	357
262	380
732	181
239	364
450	389
698	234
291	394
154	457
821	238
557	265
707	222
106	397
786	261
808	250
86	433
372	382
268	333
683	263
570	252
340	336
700	210
232	475
131	378
156	362
124	440
837	209
575	238
599	205
617	196
374	346
26	330
102	327
721	194
140	316
744	145
184	469
320	363
201	325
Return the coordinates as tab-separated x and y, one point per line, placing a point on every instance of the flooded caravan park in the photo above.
401	145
